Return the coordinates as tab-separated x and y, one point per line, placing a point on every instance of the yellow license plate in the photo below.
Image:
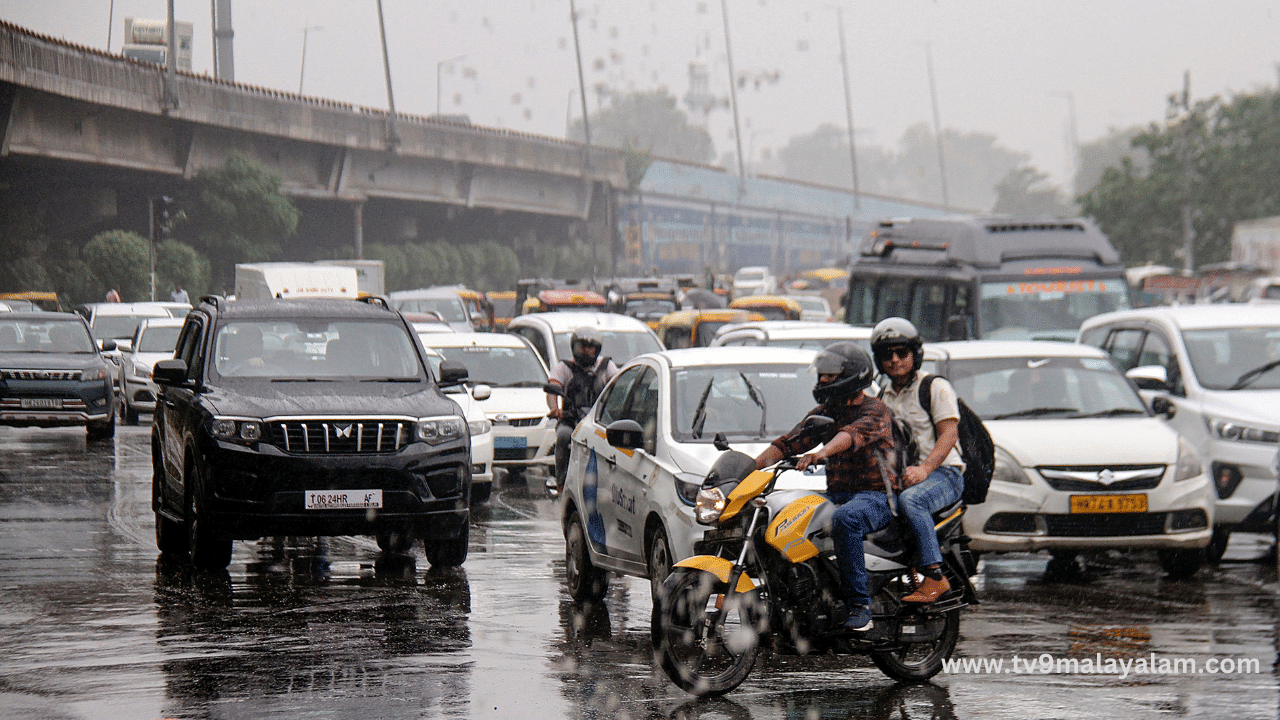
1108	503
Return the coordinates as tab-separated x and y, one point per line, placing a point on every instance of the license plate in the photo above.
1109	503
41	403
343	499
509	443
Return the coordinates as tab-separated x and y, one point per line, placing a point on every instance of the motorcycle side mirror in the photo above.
721	443
553	389
626	434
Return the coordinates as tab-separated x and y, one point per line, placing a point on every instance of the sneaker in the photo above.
929	590
859	619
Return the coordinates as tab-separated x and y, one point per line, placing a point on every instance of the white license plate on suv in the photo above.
343	499
41	403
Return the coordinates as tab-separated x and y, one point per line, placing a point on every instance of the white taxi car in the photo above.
477	423
523	436
630	509
624	337
154	340
1081	463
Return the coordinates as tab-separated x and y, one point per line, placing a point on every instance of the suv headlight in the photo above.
1239	432
235	429
479	427
142	371
1188	462
438	430
709	505
97	373
1008	470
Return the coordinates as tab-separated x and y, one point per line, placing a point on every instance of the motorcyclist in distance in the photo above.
582	378
857	449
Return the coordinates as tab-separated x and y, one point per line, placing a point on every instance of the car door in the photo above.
635	471
174	406
595	461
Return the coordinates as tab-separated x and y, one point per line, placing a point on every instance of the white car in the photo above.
629	509
624	337
445	303
523	436
1215	372
814	307
154	340
1081	463
791	333
756	280
118	322
477	423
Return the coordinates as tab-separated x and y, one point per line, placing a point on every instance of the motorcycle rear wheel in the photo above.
700	663
914	662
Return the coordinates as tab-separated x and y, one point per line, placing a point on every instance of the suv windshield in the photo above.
315	349
1222	358
619	346
158	339
742	401
498	366
1004	388
44	336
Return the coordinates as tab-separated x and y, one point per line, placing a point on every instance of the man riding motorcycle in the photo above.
582	380
857	450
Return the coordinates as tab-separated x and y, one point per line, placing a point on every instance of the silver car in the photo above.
154	340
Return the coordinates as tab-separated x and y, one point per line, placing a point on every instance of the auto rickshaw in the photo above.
503	304
829	282
42	300
479	308
695	328
772	307
562	300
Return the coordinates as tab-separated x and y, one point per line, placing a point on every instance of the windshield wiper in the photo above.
700	414
1247	379
1032	412
392	379
516	384
302	380
758	399
1112	412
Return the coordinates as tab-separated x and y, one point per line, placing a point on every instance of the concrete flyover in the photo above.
116	118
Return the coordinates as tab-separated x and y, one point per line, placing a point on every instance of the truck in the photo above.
260	281
1256	243
370	274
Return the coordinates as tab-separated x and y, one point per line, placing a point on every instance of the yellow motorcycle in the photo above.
766	574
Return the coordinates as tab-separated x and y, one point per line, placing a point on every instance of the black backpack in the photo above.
976	448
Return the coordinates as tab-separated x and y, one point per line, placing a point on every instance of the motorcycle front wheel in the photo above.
914	662
702	654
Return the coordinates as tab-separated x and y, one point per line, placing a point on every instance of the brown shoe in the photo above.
930	590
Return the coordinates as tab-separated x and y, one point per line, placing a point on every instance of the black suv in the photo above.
306	417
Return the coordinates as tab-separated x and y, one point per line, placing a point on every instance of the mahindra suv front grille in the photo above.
340	435
60	375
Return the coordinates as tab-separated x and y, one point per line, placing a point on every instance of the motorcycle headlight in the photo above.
438	430
708	506
1240	432
232	429
1188	465
1008	469
97	373
479	427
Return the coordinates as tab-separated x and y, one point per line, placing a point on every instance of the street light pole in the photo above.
439	66
848	110
582	83
393	137
303	70
733	93
937	128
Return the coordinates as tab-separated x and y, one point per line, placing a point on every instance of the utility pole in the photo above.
1188	226
393	137
848	111
171	63
937	128
582	84
306	30
733	96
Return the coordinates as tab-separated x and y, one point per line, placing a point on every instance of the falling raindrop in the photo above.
528	114
802	45
531	82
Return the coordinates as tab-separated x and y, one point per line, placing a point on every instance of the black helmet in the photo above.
583	338
896	332
852	366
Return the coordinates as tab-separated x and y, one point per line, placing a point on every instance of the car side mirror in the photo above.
1149	377
170	372
107	345
958	327
481	392
553	389
626	434
452	373
1162	405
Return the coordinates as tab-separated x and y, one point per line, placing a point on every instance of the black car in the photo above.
306	417
52	374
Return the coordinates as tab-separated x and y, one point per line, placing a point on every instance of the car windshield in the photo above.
811	304
45	336
1051	387
1049	310
503	307
449	309
498	366
158	339
119	327
1223	358
742	401
650	308
749	275
619	345
316	349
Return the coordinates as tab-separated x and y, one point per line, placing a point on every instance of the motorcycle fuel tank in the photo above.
802	527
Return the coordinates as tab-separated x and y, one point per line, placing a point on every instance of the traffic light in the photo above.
162	216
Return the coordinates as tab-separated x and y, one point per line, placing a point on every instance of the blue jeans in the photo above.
858	514
919	502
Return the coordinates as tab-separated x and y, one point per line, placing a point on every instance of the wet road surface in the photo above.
93	625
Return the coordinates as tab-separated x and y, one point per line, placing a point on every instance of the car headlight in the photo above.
708	506
97	373
142	371
1008	470
438	430
687	487
1239	432
479	427
1188	465
233	429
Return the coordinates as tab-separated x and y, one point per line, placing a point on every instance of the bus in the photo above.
996	278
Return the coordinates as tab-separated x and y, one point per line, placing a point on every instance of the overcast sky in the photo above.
1005	67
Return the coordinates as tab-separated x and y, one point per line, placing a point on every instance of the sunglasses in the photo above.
897	353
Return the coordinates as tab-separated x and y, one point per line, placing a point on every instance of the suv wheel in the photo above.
207	550
103	430
395	543
130	414
448	553
1181	564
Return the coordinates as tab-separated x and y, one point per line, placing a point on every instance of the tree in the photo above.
177	262
1024	192
648	122
1108	151
234	214
120	259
